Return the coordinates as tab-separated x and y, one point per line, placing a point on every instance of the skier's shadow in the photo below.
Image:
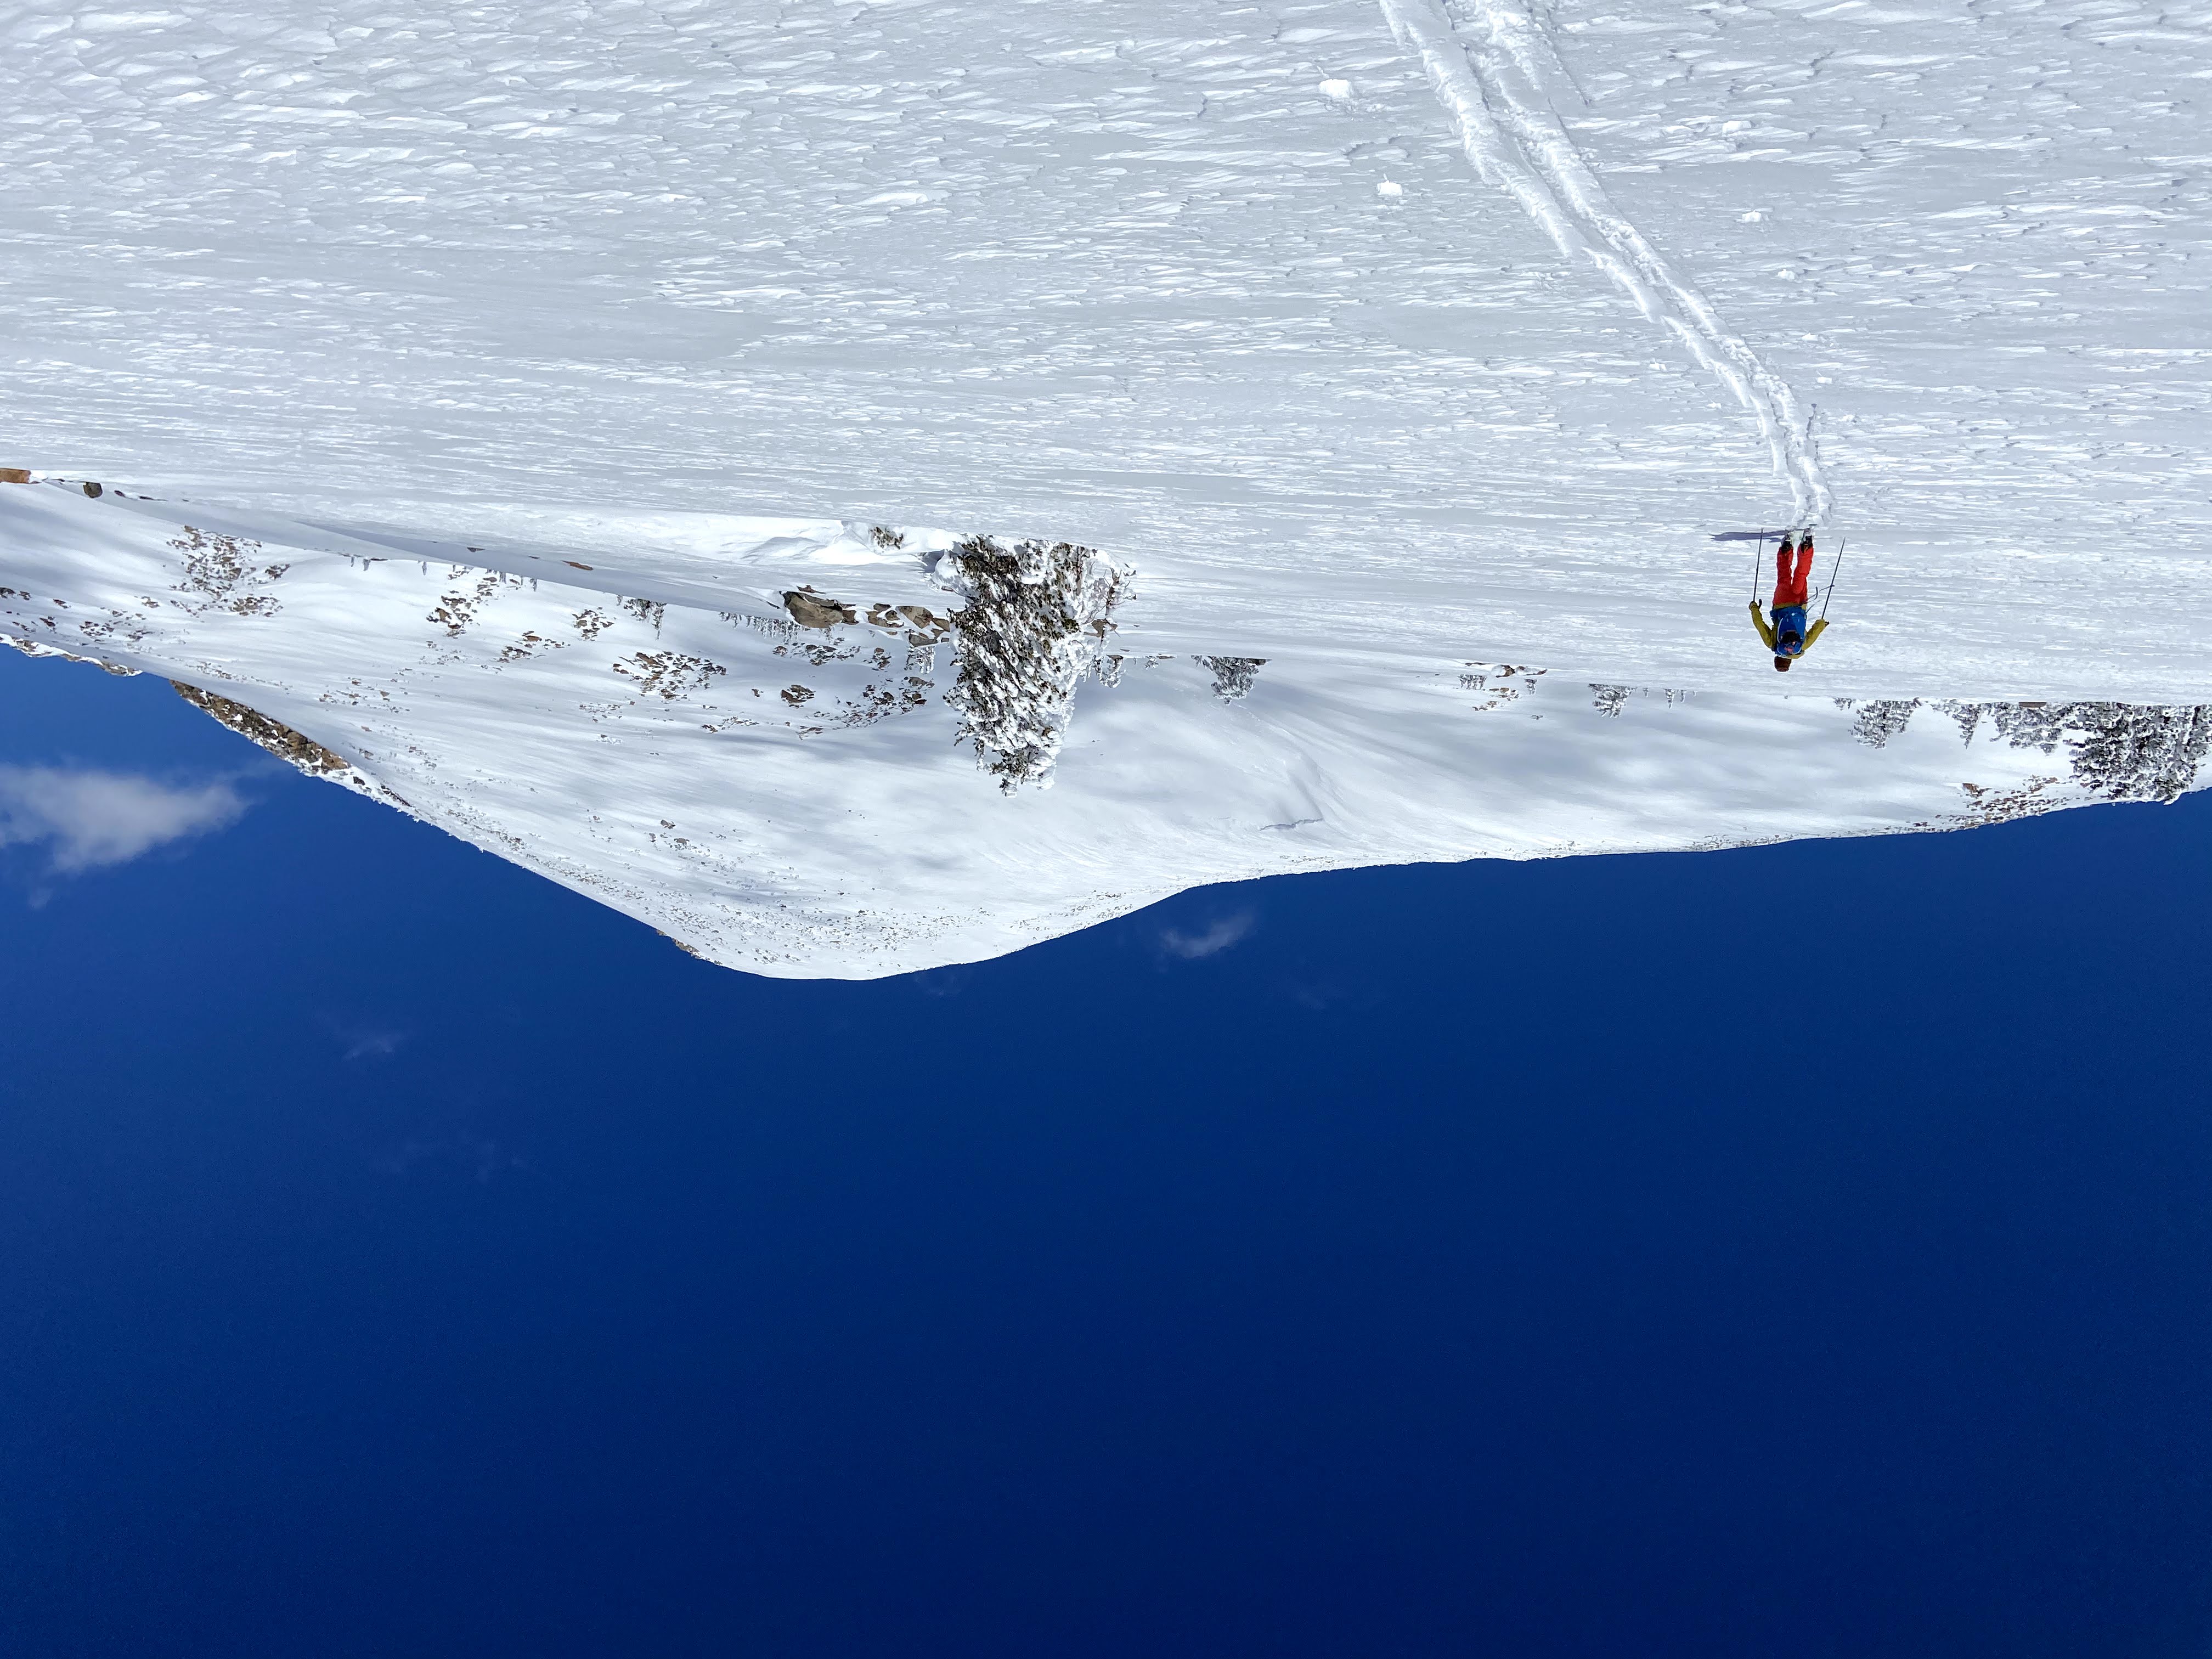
1745	535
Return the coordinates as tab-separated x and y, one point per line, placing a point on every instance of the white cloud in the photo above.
1216	938
365	1041
91	819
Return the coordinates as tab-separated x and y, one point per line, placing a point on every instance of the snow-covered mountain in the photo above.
504	405
843	749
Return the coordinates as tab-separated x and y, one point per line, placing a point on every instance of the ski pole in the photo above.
1757	558
1834	570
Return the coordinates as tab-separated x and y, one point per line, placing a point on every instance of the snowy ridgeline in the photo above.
829	750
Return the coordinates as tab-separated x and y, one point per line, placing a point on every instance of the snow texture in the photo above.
1275	365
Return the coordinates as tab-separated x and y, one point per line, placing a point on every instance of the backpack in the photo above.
1788	619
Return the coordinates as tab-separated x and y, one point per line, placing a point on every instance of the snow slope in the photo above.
866	792
1372	338
1121	271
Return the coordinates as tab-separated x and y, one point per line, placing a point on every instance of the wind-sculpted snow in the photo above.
817	749
1212	289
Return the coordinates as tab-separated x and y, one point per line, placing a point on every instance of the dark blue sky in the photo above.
1798	1251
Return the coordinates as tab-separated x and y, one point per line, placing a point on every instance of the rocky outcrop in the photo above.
811	610
278	739
1036	618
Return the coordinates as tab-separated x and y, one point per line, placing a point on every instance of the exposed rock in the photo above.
669	675
812	611
928	627
225	570
278	739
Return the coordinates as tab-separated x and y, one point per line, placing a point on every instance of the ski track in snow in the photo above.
1124	273
1495	89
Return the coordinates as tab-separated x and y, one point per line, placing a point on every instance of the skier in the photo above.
1789	637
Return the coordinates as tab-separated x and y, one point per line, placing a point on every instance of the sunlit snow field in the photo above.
1124	273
